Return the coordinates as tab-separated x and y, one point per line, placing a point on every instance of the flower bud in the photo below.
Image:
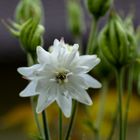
98	8
116	43
75	19
27	9
31	35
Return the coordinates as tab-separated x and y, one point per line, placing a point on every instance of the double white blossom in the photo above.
60	75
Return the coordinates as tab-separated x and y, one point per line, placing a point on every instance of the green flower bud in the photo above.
116	43
31	35
75	19
27	9
98	8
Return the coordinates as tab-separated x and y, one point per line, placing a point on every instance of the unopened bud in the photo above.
27	9
31	35
75	19
117	45
98	8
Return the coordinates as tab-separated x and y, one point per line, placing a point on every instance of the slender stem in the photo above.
32	99
60	124
100	114
33	103
45	124
92	37
114	121
72	120
130	85
119	79
119	76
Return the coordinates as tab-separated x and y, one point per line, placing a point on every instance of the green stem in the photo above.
60	124
119	77
130	85
114	121
100	114
32	99
33	103
72	120
45	125
92	37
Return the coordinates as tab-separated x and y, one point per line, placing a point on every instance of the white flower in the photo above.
60	76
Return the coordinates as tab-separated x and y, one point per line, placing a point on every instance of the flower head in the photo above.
60	75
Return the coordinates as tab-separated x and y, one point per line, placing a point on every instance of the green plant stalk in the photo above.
92	37
45	124
114	121
119	77
100	114
32	99
33	104
130	86
74	110
60	124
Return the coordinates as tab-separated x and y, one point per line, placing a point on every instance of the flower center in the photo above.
61	77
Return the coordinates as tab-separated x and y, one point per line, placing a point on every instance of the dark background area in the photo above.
12	56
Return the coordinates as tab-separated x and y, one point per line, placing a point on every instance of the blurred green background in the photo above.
16	121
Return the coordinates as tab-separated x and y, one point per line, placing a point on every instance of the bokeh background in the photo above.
14	111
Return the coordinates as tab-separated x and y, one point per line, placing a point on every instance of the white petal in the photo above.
45	99
29	71
30	90
56	42
73	54
78	80
79	69
89	60
76	46
80	94
42	55
91	82
65	103
43	85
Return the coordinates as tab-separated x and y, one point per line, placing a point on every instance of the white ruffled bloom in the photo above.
60	75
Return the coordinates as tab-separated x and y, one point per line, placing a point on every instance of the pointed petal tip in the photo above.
89	102
56	42
38	49
38	110
76	46
21	94
98	85
67	114
98	60
21	70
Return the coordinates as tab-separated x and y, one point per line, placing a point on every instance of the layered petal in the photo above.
65	103
72	54
80	95
30	90
89	60
42	55
90	81
45	99
29	72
